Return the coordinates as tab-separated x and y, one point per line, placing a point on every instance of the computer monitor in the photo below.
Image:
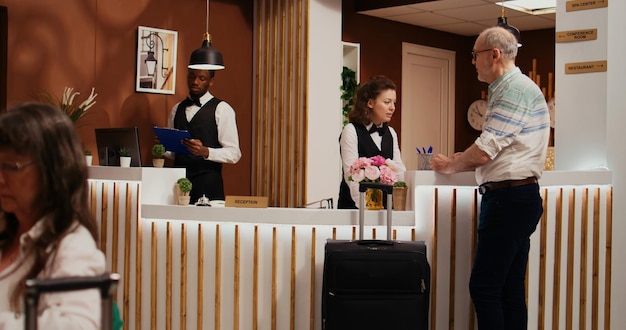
110	140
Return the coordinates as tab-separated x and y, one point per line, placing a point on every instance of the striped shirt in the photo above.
516	129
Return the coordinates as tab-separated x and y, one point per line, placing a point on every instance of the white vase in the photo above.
88	159
125	161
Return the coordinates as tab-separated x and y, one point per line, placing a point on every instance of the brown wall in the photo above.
381	53
3	58
85	43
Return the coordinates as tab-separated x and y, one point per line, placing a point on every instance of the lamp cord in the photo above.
207	15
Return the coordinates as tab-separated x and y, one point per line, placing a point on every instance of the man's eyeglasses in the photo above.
9	167
474	53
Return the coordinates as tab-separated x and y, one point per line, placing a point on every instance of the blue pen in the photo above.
430	149
424	149
418	150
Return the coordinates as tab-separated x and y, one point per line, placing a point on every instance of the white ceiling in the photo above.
462	17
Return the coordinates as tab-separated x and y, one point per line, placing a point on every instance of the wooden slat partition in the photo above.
138	277
168	277
237	275
128	222
279	127
556	284
584	226
452	260
433	263
541	299
474	242
183	276
608	255
200	279
569	293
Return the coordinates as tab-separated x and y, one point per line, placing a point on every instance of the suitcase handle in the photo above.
374	242
106	283
386	188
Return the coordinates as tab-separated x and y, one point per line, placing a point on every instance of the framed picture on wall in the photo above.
156	60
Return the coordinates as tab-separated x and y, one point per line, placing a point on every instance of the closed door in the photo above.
427	101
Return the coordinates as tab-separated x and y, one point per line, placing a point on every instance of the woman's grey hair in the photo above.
498	37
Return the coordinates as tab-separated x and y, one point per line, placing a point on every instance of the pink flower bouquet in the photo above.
375	169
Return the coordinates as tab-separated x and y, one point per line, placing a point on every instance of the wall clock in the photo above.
476	114
551	106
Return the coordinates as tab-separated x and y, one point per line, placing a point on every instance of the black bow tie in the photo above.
189	102
381	130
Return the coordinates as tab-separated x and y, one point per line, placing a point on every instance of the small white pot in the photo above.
125	161
88	159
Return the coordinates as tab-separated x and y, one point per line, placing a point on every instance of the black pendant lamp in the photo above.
503	24
206	57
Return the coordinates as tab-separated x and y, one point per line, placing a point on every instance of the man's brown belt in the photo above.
483	188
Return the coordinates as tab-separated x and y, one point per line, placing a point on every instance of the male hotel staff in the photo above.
508	157
212	124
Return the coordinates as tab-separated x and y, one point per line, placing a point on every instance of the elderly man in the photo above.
508	158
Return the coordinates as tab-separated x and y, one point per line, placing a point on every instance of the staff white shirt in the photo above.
227	133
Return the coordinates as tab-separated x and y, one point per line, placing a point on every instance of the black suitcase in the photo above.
375	284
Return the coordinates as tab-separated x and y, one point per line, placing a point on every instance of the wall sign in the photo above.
585	67
585	4
577	35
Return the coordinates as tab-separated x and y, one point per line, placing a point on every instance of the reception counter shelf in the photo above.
187	267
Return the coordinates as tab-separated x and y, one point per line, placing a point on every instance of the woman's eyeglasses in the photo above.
474	53
9	167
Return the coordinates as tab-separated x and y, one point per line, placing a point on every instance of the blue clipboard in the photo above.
171	138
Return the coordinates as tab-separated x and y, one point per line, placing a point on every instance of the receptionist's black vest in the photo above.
367	148
204	128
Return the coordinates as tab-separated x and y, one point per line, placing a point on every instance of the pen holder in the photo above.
423	161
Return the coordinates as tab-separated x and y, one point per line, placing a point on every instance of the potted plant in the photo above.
124	157
348	88
399	195
158	150
88	157
67	105
183	187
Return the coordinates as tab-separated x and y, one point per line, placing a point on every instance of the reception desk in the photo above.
187	267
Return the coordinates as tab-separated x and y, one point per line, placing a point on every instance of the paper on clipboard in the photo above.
171	138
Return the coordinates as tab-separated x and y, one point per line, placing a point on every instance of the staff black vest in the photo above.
367	148
204	128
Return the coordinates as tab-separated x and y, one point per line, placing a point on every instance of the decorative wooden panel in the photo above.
279	124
